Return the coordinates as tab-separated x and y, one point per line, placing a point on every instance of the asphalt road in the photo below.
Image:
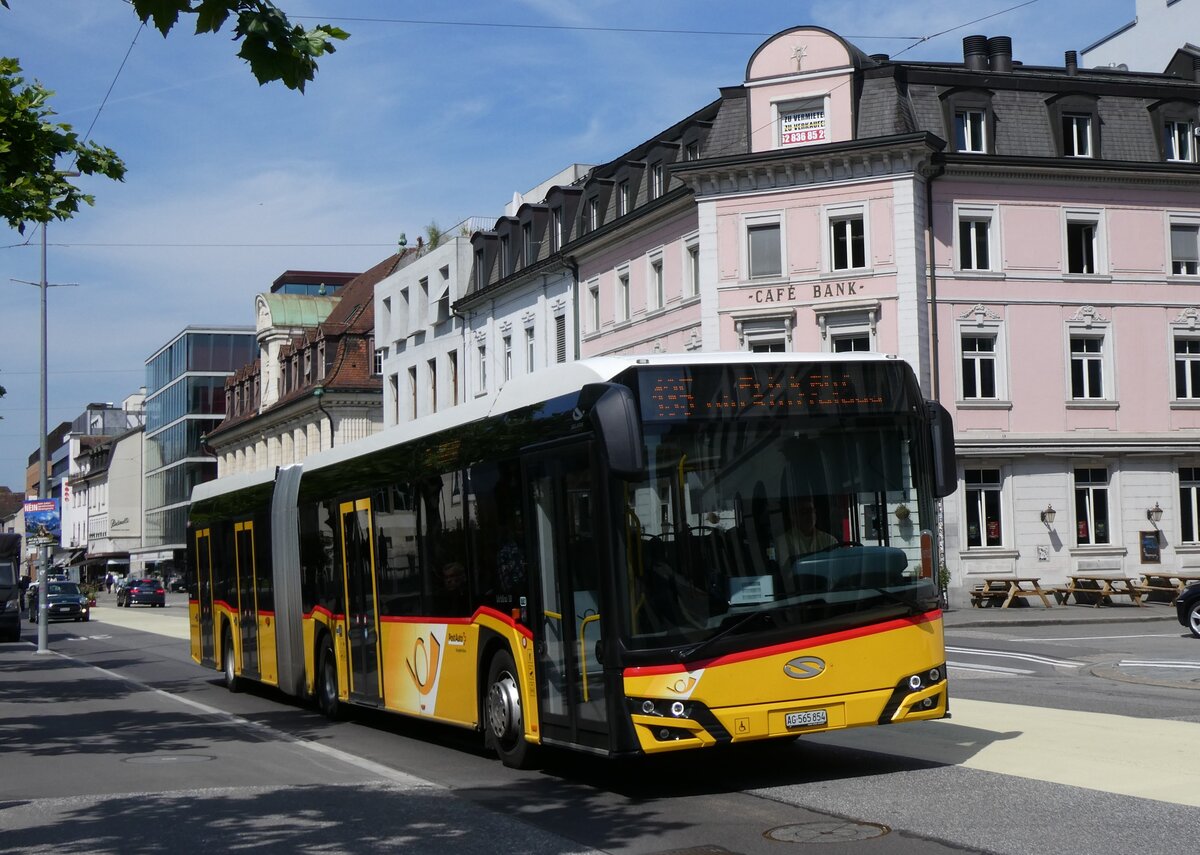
116	742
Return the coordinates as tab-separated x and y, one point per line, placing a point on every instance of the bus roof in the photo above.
523	391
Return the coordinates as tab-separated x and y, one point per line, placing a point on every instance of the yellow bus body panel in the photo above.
751	694
194	623
268	668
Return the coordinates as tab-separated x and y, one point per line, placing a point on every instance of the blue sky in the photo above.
230	184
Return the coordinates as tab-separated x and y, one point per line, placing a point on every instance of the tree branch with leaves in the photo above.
274	47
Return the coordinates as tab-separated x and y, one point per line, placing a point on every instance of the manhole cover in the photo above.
827	831
162	759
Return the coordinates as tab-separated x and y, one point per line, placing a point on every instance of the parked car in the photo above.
64	601
149	592
1187	606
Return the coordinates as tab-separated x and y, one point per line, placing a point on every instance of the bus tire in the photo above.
504	725
232	681
328	701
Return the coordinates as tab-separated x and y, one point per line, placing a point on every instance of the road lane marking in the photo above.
1125	755
1025	657
1157	663
384	772
991	669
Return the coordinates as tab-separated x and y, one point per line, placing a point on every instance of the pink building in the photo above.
1028	238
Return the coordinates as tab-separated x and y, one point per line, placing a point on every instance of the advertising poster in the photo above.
43	522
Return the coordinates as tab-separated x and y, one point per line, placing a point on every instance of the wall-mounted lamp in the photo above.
901	512
1154	514
1048	515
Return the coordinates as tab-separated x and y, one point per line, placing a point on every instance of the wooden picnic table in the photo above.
1004	589
1167	584
1098	589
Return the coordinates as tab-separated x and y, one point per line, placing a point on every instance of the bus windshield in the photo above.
814	521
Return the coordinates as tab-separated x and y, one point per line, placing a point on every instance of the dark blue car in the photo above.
64	601
1188	608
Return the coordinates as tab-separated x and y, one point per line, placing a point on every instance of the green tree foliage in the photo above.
275	48
32	187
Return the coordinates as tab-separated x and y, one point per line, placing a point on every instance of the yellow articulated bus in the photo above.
621	555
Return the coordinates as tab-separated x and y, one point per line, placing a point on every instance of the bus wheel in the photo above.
327	682
232	682
505	727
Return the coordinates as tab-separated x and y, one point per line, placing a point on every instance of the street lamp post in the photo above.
43	604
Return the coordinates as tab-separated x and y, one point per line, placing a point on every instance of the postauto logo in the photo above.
804	667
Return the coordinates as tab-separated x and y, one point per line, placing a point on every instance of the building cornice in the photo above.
1184	443
1006	170
787	168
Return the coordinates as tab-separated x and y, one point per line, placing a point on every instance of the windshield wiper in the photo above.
685	654
916	606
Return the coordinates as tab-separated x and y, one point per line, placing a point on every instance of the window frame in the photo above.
968	144
691	263
762	223
593	291
656	285
983	329
1093	218
989	217
622	307
1090	490
1075	106
1183	221
1189	502
835	215
990	482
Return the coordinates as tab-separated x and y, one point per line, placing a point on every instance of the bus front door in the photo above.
247	594
204	586
362	614
564	535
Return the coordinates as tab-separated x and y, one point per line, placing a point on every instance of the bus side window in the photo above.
498	551
396	575
443	540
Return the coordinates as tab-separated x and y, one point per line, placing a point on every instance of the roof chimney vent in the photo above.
1072	61
999	50
880	57
975	52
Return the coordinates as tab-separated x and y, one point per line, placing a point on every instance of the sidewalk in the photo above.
1038	615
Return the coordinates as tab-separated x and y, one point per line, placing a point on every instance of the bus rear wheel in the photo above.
504	723
232	682
328	701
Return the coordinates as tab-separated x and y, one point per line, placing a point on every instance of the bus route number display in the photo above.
688	393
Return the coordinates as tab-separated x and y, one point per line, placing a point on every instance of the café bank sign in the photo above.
816	291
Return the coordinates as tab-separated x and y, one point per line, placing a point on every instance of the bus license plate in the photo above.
808	718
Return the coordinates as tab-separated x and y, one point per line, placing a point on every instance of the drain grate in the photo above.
827	831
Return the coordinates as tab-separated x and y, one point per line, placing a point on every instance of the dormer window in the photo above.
1077	134
527	243
656	180
593	214
969	130
1175	123
1075	123
556	219
969	120
1179	141
622	198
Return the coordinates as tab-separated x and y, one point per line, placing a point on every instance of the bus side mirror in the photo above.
614	416
941	435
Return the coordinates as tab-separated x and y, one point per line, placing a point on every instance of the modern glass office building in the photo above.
185	399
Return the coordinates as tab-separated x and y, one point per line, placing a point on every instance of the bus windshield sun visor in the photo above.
614	415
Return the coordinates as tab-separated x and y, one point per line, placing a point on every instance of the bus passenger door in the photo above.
204	586
565	539
362	614
247	593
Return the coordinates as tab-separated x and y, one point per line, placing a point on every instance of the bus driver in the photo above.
801	535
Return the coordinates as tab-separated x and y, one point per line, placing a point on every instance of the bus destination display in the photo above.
679	395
